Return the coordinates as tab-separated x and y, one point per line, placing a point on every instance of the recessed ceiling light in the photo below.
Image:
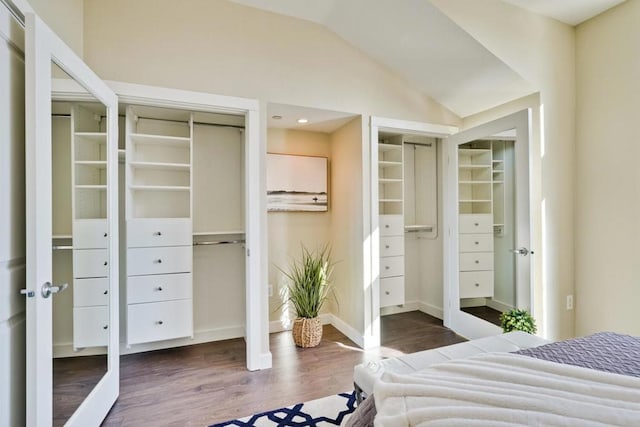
303	121
276	117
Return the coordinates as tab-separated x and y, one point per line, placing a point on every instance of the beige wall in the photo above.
225	48
65	17
542	50
288	230
607	214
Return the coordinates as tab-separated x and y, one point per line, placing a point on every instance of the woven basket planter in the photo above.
307	332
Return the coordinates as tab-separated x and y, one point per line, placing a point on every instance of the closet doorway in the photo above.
406	236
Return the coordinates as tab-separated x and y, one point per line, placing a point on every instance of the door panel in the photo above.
487	215
93	195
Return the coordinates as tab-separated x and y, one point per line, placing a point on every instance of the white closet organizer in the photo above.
391	221
158	179
476	181
90	227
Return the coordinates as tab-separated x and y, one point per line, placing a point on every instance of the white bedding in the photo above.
500	389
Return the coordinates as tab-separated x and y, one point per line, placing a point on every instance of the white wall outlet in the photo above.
270	291
569	302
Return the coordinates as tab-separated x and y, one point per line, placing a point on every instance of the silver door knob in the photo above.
521	251
48	289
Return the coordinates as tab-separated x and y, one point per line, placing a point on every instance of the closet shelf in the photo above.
474	151
91	136
474	166
418	228
474	182
388	164
98	164
161	166
498	161
390	181
388	147
174	141
159	188
498	182
91	187
61	236
475	200
217	233
390	200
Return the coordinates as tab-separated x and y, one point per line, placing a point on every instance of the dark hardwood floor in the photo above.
484	313
202	384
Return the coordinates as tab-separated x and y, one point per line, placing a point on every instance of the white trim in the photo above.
499	305
326	319
409	306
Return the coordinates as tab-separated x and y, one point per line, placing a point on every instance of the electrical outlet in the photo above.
569	302
270	291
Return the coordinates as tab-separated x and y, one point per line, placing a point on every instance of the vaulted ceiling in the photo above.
419	42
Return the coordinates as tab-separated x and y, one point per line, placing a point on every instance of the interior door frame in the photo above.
372	335
463	323
43	47
256	304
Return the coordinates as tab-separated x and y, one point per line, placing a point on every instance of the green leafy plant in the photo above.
518	320
309	281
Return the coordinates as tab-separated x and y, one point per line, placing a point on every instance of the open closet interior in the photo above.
408	205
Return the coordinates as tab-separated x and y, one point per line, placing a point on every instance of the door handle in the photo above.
522	251
48	289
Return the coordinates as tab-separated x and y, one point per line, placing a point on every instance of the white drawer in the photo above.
90	327
476	261
391	246
391	291
173	259
91	234
143	233
158	321
161	287
90	263
391	225
476	284
392	266
476	243
476	223
90	292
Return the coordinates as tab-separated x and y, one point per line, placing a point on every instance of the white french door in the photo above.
44	51
487	214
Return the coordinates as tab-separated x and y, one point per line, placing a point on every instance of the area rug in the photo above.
328	411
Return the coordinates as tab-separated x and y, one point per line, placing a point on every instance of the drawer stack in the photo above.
476	256
391	260
159	280
90	283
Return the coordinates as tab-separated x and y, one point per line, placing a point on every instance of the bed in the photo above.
592	381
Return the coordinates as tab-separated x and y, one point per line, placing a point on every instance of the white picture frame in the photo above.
297	183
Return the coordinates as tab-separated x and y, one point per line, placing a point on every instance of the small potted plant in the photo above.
308	289
518	320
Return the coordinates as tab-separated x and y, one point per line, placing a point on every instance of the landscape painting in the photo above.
296	183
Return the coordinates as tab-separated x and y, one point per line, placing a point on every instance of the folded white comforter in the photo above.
503	389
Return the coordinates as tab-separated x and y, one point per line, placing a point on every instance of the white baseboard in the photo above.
325	319
199	337
429	309
499	305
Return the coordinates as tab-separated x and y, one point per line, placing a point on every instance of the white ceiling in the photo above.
572	12
420	43
325	121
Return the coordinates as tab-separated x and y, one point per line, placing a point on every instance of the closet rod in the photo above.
218	242
61	247
426	144
195	123
61	115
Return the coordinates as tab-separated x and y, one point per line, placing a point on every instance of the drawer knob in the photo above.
106	291
105	263
159	288
157	233
386	246
477	262
386	267
159	322
477	285
104	235
386	226
387	293
476	224
159	261
477	243
105	327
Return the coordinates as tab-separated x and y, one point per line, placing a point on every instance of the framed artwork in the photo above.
296	183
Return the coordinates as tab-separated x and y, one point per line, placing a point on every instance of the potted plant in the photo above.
308	289
518	320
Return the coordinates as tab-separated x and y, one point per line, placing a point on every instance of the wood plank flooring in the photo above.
485	313
202	384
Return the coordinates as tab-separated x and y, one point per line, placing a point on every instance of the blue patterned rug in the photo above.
328	411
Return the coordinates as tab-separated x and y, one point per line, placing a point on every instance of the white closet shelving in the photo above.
159	294
391	221
90	227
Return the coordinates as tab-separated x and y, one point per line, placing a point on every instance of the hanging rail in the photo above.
218	242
